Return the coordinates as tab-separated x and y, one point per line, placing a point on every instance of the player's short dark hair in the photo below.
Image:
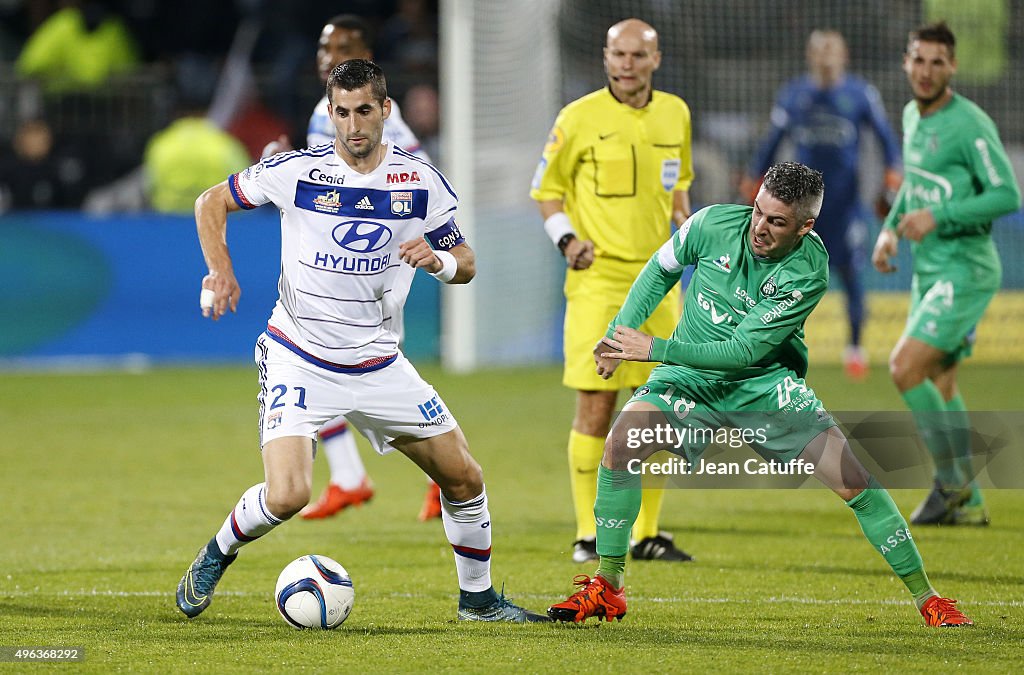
938	32
796	185
354	23
355	74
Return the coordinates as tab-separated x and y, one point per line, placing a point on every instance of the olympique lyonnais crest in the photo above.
401	203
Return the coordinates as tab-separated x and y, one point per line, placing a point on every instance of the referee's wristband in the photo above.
558	227
449	266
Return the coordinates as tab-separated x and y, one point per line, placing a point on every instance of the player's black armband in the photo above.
564	241
446	237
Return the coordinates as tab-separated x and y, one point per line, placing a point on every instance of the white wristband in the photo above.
449	266
557	226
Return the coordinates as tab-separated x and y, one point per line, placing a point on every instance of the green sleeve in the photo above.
659	275
649	289
899	207
993	173
768	324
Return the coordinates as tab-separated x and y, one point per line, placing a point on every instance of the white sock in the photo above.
339	446
468	528
248	521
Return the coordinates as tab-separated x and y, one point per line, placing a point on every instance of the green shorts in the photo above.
775	413
944	313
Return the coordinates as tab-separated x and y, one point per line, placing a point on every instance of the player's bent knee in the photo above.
285	501
632	436
620	448
447	460
465	483
904	372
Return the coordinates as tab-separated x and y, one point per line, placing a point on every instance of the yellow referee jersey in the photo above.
615	167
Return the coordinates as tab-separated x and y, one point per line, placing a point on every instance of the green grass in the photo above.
112	481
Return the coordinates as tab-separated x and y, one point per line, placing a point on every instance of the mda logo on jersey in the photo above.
404	177
401	203
361	236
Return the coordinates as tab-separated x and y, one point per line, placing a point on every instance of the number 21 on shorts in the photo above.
280	396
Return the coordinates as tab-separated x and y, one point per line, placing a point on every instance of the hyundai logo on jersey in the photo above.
361	236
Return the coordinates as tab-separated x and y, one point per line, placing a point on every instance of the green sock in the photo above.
886	530
960	440
615	511
919	586
926	403
613	569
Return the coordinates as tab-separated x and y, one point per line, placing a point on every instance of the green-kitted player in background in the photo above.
958	179
737	358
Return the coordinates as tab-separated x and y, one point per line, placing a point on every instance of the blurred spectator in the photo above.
254	124
187	157
77	48
408	40
421	114
33	176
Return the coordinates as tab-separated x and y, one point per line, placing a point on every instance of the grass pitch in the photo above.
111	482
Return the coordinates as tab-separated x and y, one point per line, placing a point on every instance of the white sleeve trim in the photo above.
667	253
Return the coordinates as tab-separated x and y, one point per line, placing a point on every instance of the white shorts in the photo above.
297	398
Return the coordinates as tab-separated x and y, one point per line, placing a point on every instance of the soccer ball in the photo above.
314	592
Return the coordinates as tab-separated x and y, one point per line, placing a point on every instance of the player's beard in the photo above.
363	151
928	101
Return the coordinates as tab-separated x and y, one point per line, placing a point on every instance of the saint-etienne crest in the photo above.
769	288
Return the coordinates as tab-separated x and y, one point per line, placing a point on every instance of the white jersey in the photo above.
396	131
341	275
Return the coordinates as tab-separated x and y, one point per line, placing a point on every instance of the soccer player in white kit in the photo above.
345	37
358	217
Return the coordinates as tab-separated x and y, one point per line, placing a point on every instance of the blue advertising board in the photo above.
76	286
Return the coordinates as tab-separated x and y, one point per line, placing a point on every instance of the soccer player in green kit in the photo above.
958	180
738	349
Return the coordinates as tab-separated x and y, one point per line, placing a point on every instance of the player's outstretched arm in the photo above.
212	208
454	266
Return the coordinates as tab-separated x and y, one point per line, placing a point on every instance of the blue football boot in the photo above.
195	590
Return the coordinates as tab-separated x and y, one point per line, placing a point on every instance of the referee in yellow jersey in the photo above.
615	172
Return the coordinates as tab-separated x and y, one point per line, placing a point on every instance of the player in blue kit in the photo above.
358	217
824	113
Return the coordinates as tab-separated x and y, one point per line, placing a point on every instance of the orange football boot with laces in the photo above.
596	597
942	613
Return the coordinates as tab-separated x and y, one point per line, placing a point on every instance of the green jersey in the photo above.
743	315
956	166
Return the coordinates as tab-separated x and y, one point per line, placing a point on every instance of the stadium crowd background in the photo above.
249	66
85	75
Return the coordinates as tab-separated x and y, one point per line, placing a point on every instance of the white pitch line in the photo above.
770	600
